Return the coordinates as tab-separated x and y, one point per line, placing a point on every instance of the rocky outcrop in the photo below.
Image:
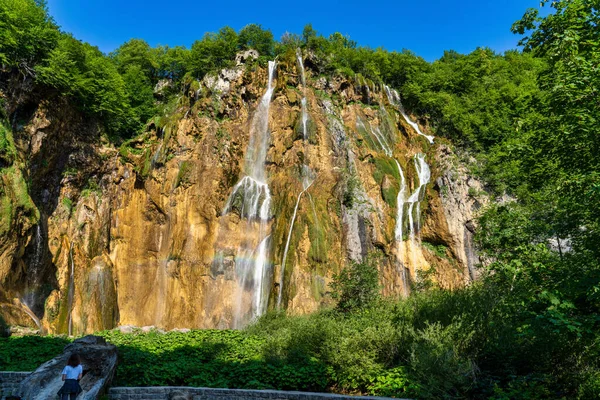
99	361
461	197
129	236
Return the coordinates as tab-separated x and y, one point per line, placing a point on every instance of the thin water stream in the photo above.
307	177
71	290
394	99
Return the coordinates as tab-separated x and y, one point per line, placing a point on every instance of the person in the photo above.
71	375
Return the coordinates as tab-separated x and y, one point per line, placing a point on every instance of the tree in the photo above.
81	72
357	286
139	93
570	40
253	36
27	34
171	61
214	51
308	33
139	53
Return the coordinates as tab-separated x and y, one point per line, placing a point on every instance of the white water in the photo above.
255	199
260	277
424	175
38	245
34	317
307	179
160	279
378	135
287	246
71	290
33	270
301	64
252	263
398	231
304	119
394	98
384	143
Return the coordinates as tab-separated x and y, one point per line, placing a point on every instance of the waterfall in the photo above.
161	277
400	200
253	197
287	245
394	99
378	135
71	290
33	270
32	315
424	175
39	242
384	143
398	231
307	177
301	65
304	119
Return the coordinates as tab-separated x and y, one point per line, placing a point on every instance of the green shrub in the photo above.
7	146
26	353
357	286
208	358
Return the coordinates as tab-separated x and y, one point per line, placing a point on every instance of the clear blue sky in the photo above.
427	27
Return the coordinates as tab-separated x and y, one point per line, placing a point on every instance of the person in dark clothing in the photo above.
71	375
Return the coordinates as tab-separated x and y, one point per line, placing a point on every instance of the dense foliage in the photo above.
28	352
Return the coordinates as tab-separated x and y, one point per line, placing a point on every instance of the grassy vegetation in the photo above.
7	146
435	345
15	202
28	352
183	175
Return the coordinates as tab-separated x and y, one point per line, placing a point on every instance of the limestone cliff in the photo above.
149	233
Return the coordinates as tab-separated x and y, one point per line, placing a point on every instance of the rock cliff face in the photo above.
150	233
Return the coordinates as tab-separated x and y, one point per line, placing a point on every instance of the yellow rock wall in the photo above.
136	245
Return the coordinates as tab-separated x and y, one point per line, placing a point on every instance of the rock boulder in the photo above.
99	361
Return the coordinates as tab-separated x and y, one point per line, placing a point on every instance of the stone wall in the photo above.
9	382
186	393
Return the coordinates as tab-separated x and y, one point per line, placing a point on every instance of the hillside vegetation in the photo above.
528	329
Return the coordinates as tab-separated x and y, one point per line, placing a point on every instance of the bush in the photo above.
357	286
253	36
208	358
215	51
29	352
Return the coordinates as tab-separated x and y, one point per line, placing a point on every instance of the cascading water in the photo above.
33	270
384	143
398	231
378	135
307	178
306	184
252	197
161	278
71	291
401	200
394	99
39	240
424	175
34	317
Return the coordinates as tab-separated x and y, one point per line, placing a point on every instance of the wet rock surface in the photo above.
129	236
